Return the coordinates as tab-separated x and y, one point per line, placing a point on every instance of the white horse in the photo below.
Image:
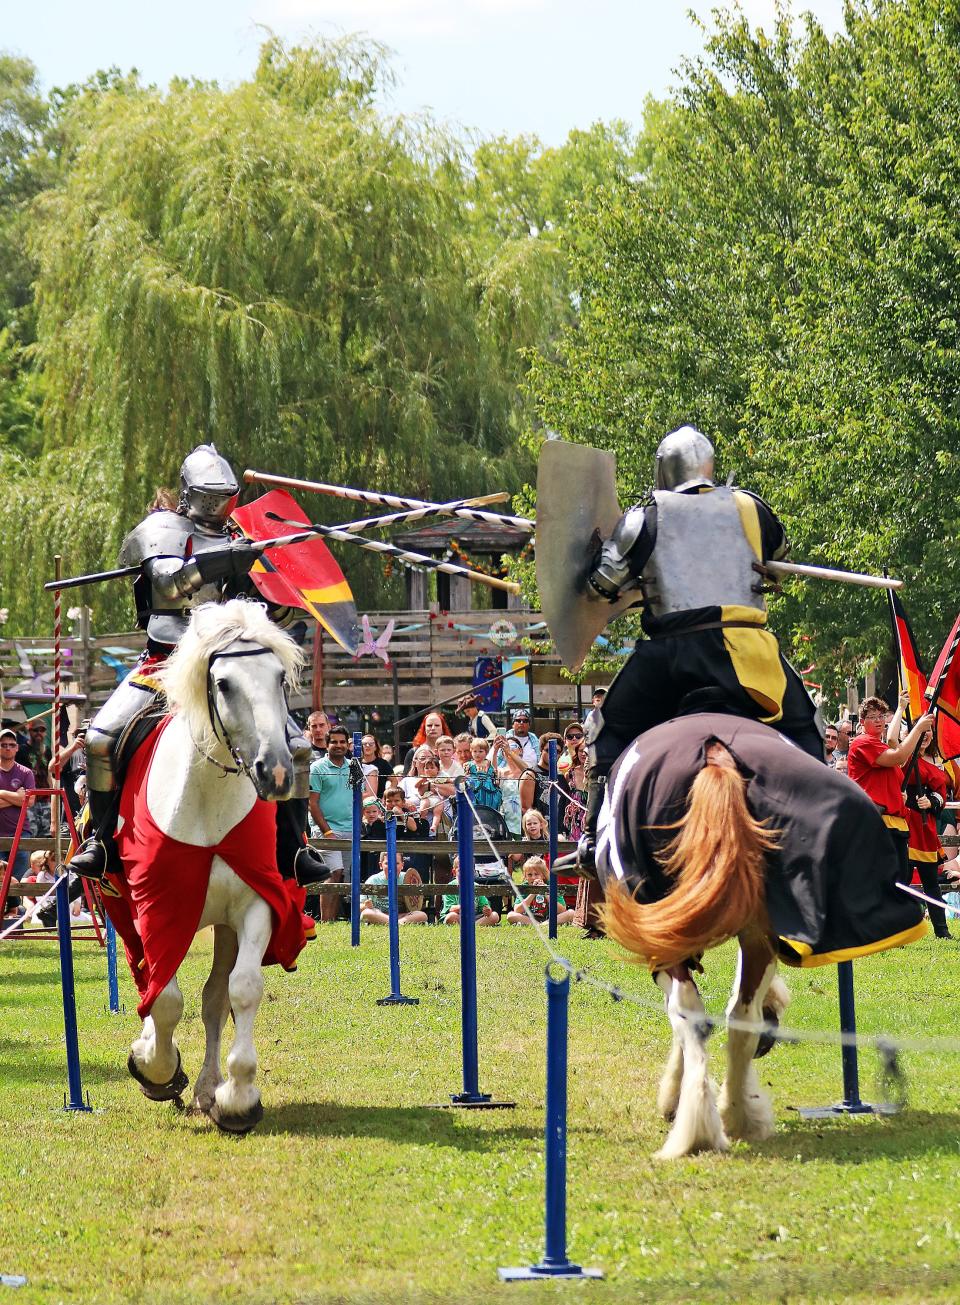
224	746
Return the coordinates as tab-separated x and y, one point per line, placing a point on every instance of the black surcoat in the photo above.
831	891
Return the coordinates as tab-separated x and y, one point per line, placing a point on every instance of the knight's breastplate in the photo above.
702	556
168	535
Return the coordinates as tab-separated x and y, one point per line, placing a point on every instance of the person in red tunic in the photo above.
875	762
925	791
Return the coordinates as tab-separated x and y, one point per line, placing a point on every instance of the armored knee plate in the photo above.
106	728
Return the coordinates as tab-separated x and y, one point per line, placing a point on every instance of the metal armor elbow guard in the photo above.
611	573
173	578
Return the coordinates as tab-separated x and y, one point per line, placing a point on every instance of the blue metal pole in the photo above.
113	987
396	997
555	1263
851	1103
848	1051
470	1097
553	822
355	851
468	953
76	1101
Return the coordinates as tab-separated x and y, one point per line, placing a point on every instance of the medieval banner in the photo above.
910	673
303	575
944	696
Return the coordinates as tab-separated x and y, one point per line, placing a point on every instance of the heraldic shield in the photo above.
577	508
300	575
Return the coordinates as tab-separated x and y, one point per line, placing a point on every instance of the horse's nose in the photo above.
271	777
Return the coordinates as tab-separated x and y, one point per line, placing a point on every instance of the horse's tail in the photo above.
717	858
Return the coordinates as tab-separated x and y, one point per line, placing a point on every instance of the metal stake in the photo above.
555	1263
396	997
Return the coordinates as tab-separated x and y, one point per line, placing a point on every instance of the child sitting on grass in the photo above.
536	906
484	914
375	909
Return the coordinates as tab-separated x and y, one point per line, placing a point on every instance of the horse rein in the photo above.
223	736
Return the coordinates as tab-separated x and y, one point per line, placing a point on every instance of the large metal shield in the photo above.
577	508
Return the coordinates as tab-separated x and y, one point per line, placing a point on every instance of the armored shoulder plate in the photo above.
160	534
704	553
161	608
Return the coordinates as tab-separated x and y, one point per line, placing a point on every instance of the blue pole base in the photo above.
472	1101
398	999
533	1272
841	1108
77	1105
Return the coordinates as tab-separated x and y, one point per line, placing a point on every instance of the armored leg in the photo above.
296	859
99	854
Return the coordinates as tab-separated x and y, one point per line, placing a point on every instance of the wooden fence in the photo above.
431	656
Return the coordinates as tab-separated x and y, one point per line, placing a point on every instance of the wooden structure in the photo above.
470	543
432	654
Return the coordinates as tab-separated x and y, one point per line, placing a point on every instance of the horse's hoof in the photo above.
767	1041
238	1124
172	1090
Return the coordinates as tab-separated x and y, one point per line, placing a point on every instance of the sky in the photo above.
489	66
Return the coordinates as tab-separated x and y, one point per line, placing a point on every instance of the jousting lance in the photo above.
418	560
330	532
788	569
460	508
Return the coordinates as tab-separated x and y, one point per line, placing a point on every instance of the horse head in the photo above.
230	676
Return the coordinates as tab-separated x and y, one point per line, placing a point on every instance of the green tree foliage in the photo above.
784	275
25	169
281	269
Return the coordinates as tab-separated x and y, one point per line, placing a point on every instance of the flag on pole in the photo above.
910	674
943	695
302	575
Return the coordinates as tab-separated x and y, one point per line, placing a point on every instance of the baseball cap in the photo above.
8	734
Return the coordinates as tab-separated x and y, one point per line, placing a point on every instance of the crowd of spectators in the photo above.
507	775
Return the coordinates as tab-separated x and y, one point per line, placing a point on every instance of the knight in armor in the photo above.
186	556
693	551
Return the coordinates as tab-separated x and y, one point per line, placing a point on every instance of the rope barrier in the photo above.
886	1046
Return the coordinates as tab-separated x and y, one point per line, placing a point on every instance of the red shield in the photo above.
300	575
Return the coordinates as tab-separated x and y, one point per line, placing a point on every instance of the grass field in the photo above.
351	1190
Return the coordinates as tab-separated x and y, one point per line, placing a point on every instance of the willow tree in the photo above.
278	268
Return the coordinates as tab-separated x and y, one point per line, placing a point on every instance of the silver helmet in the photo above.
208	487
684	459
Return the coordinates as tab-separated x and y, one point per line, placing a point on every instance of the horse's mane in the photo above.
213	628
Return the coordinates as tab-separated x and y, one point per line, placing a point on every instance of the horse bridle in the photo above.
223	736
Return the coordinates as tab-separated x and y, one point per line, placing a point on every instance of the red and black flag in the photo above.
943	695
302	575
910	673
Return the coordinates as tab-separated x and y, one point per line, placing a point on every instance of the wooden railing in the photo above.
431	656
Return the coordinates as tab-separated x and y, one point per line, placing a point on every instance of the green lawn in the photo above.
351	1190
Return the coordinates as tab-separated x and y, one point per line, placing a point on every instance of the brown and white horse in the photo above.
716	828
717	857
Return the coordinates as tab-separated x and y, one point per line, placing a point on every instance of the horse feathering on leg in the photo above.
717	859
716	826
197	837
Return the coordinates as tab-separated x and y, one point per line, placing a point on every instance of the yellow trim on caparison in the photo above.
806	960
